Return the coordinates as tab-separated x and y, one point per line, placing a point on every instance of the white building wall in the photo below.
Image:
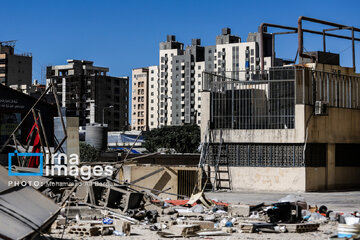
165	76
153	97
199	68
236	60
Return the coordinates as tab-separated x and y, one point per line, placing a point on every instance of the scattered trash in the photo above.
118	233
107	221
107	207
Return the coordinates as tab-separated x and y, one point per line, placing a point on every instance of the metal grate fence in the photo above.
256	104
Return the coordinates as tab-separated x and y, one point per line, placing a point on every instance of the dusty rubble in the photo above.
107	208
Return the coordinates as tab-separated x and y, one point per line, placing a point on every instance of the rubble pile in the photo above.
106	207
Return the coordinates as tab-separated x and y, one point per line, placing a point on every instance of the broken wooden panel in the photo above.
165	181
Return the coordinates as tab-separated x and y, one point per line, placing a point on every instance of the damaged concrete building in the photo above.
86	90
295	128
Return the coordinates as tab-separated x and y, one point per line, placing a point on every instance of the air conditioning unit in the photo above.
321	108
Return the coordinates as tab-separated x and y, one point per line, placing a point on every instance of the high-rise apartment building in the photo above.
184	71
15	69
168	50
144	98
153	93
88	93
145	101
139	116
174	92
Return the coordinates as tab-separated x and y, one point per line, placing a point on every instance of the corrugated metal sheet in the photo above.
23	210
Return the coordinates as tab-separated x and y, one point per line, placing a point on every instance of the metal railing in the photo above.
253	104
267	100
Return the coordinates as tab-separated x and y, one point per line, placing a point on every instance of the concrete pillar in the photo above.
205	113
330	166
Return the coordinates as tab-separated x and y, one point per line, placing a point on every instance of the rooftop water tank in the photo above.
96	136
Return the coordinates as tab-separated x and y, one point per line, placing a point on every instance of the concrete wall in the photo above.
293	179
296	135
347	177
316	179
319	179
162	180
341	125
268	179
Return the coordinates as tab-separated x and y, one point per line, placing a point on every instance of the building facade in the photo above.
15	69
295	129
168	50
173	89
87	92
139	115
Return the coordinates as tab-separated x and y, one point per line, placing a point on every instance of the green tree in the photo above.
184	139
88	153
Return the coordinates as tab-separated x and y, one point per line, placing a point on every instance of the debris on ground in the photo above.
105	207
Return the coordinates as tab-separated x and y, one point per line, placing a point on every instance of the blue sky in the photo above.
125	34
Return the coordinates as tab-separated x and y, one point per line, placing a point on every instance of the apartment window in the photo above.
252	52
209	50
152	101
152	79
199	67
152	86
152	93
199	75
252	59
152	71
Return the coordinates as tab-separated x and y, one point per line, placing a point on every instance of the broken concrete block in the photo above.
228	229
240	210
204	225
210	218
246	227
84	230
184	230
122	226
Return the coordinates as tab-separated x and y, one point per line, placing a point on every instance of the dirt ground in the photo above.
143	232
347	201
